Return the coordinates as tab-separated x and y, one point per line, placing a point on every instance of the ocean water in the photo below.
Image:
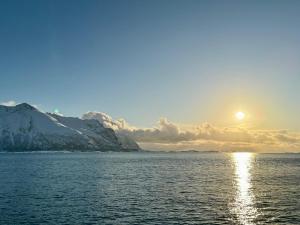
149	188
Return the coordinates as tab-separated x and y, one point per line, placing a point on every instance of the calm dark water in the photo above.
149	188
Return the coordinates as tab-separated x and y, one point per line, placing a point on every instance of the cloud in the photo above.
14	103
9	103
107	121
167	135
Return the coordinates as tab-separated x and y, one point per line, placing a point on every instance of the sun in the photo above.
240	115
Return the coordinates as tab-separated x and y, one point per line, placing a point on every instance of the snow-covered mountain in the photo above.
117	126
25	128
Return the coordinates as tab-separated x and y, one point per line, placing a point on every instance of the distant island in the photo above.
25	128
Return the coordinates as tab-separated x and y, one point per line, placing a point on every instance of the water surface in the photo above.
149	188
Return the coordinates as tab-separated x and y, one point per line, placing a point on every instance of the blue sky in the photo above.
190	61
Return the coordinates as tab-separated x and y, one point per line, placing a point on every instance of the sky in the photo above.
192	62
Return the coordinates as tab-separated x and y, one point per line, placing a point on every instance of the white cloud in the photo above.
14	103
9	103
170	136
107	121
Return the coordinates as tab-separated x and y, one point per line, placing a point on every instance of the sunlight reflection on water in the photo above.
244	202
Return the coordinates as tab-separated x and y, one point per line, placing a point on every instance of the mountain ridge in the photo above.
25	128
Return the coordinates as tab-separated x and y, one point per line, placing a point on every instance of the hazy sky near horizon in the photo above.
189	61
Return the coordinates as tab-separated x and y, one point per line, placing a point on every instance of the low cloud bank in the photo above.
167	135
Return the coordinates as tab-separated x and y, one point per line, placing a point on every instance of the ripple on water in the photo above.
149	188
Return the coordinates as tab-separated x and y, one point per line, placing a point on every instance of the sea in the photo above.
149	188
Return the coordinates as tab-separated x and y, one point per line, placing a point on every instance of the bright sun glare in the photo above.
240	115
244	204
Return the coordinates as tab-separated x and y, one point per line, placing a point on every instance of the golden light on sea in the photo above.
244	207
